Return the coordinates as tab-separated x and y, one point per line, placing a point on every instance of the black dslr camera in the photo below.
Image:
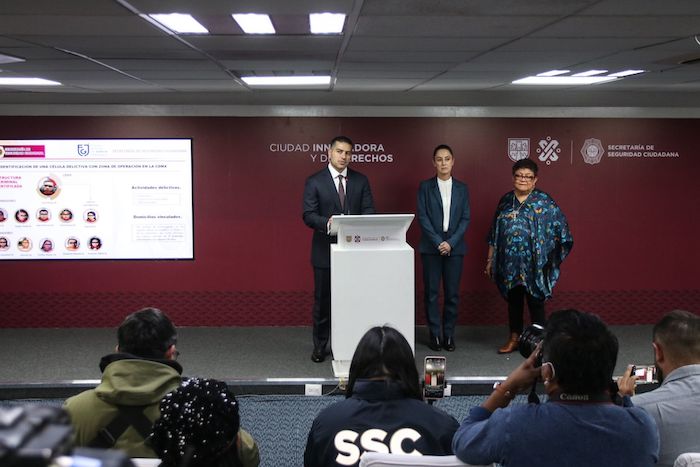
33	435
531	336
41	436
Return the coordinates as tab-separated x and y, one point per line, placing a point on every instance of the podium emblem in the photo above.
348	238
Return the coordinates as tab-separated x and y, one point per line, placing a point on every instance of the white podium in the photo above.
372	282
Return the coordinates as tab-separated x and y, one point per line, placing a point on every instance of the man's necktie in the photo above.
341	192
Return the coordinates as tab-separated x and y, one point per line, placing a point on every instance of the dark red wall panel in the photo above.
634	219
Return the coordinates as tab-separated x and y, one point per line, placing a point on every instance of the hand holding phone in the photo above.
644	374
434	377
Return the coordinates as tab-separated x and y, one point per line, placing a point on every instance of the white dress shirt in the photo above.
445	187
335	173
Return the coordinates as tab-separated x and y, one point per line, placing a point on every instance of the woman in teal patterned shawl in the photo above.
528	241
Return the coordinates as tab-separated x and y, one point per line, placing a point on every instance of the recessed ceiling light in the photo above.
553	73
253	23
10	59
180	23
287	80
326	23
624	73
563	80
27	82
590	73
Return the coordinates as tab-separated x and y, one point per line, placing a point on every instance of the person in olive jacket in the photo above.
119	413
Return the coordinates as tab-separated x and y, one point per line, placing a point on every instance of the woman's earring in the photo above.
548	380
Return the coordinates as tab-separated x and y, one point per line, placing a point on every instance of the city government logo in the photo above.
83	149
518	148
548	150
592	151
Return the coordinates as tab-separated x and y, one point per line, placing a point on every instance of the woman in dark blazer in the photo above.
443	214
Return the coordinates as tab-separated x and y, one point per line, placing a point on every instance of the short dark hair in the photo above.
526	163
679	333
341	139
383	352
146	333
442	146
582	349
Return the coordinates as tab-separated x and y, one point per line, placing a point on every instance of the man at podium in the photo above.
334	190
443	214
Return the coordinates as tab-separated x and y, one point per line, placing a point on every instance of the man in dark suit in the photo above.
334	190
443	214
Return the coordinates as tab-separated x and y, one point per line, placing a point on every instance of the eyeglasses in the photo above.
527	178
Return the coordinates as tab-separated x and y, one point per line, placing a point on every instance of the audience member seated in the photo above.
199	426
120	411
579	425
383	410
675	405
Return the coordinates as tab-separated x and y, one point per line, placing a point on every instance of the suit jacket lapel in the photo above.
454	203
437	198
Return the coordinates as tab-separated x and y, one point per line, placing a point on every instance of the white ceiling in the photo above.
392	52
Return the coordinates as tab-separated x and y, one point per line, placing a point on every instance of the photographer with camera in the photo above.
675	405
579	425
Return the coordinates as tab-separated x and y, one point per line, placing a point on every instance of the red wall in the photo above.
634	219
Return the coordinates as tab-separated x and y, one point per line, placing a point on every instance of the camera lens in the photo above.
531	336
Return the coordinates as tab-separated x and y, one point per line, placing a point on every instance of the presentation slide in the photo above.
94	199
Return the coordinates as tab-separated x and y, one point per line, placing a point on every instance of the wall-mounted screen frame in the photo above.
91	199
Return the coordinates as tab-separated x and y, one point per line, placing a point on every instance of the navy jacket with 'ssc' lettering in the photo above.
378	417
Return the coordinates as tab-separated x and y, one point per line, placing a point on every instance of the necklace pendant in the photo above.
515	214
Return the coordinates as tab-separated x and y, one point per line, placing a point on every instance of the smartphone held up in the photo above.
644	374
434	377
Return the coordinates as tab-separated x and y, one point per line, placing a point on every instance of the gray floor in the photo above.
257	353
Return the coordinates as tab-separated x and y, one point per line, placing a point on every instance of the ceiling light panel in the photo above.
622	74
321	80
253	23
180	23
590	73
563	80
553	73
326	23
27	82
